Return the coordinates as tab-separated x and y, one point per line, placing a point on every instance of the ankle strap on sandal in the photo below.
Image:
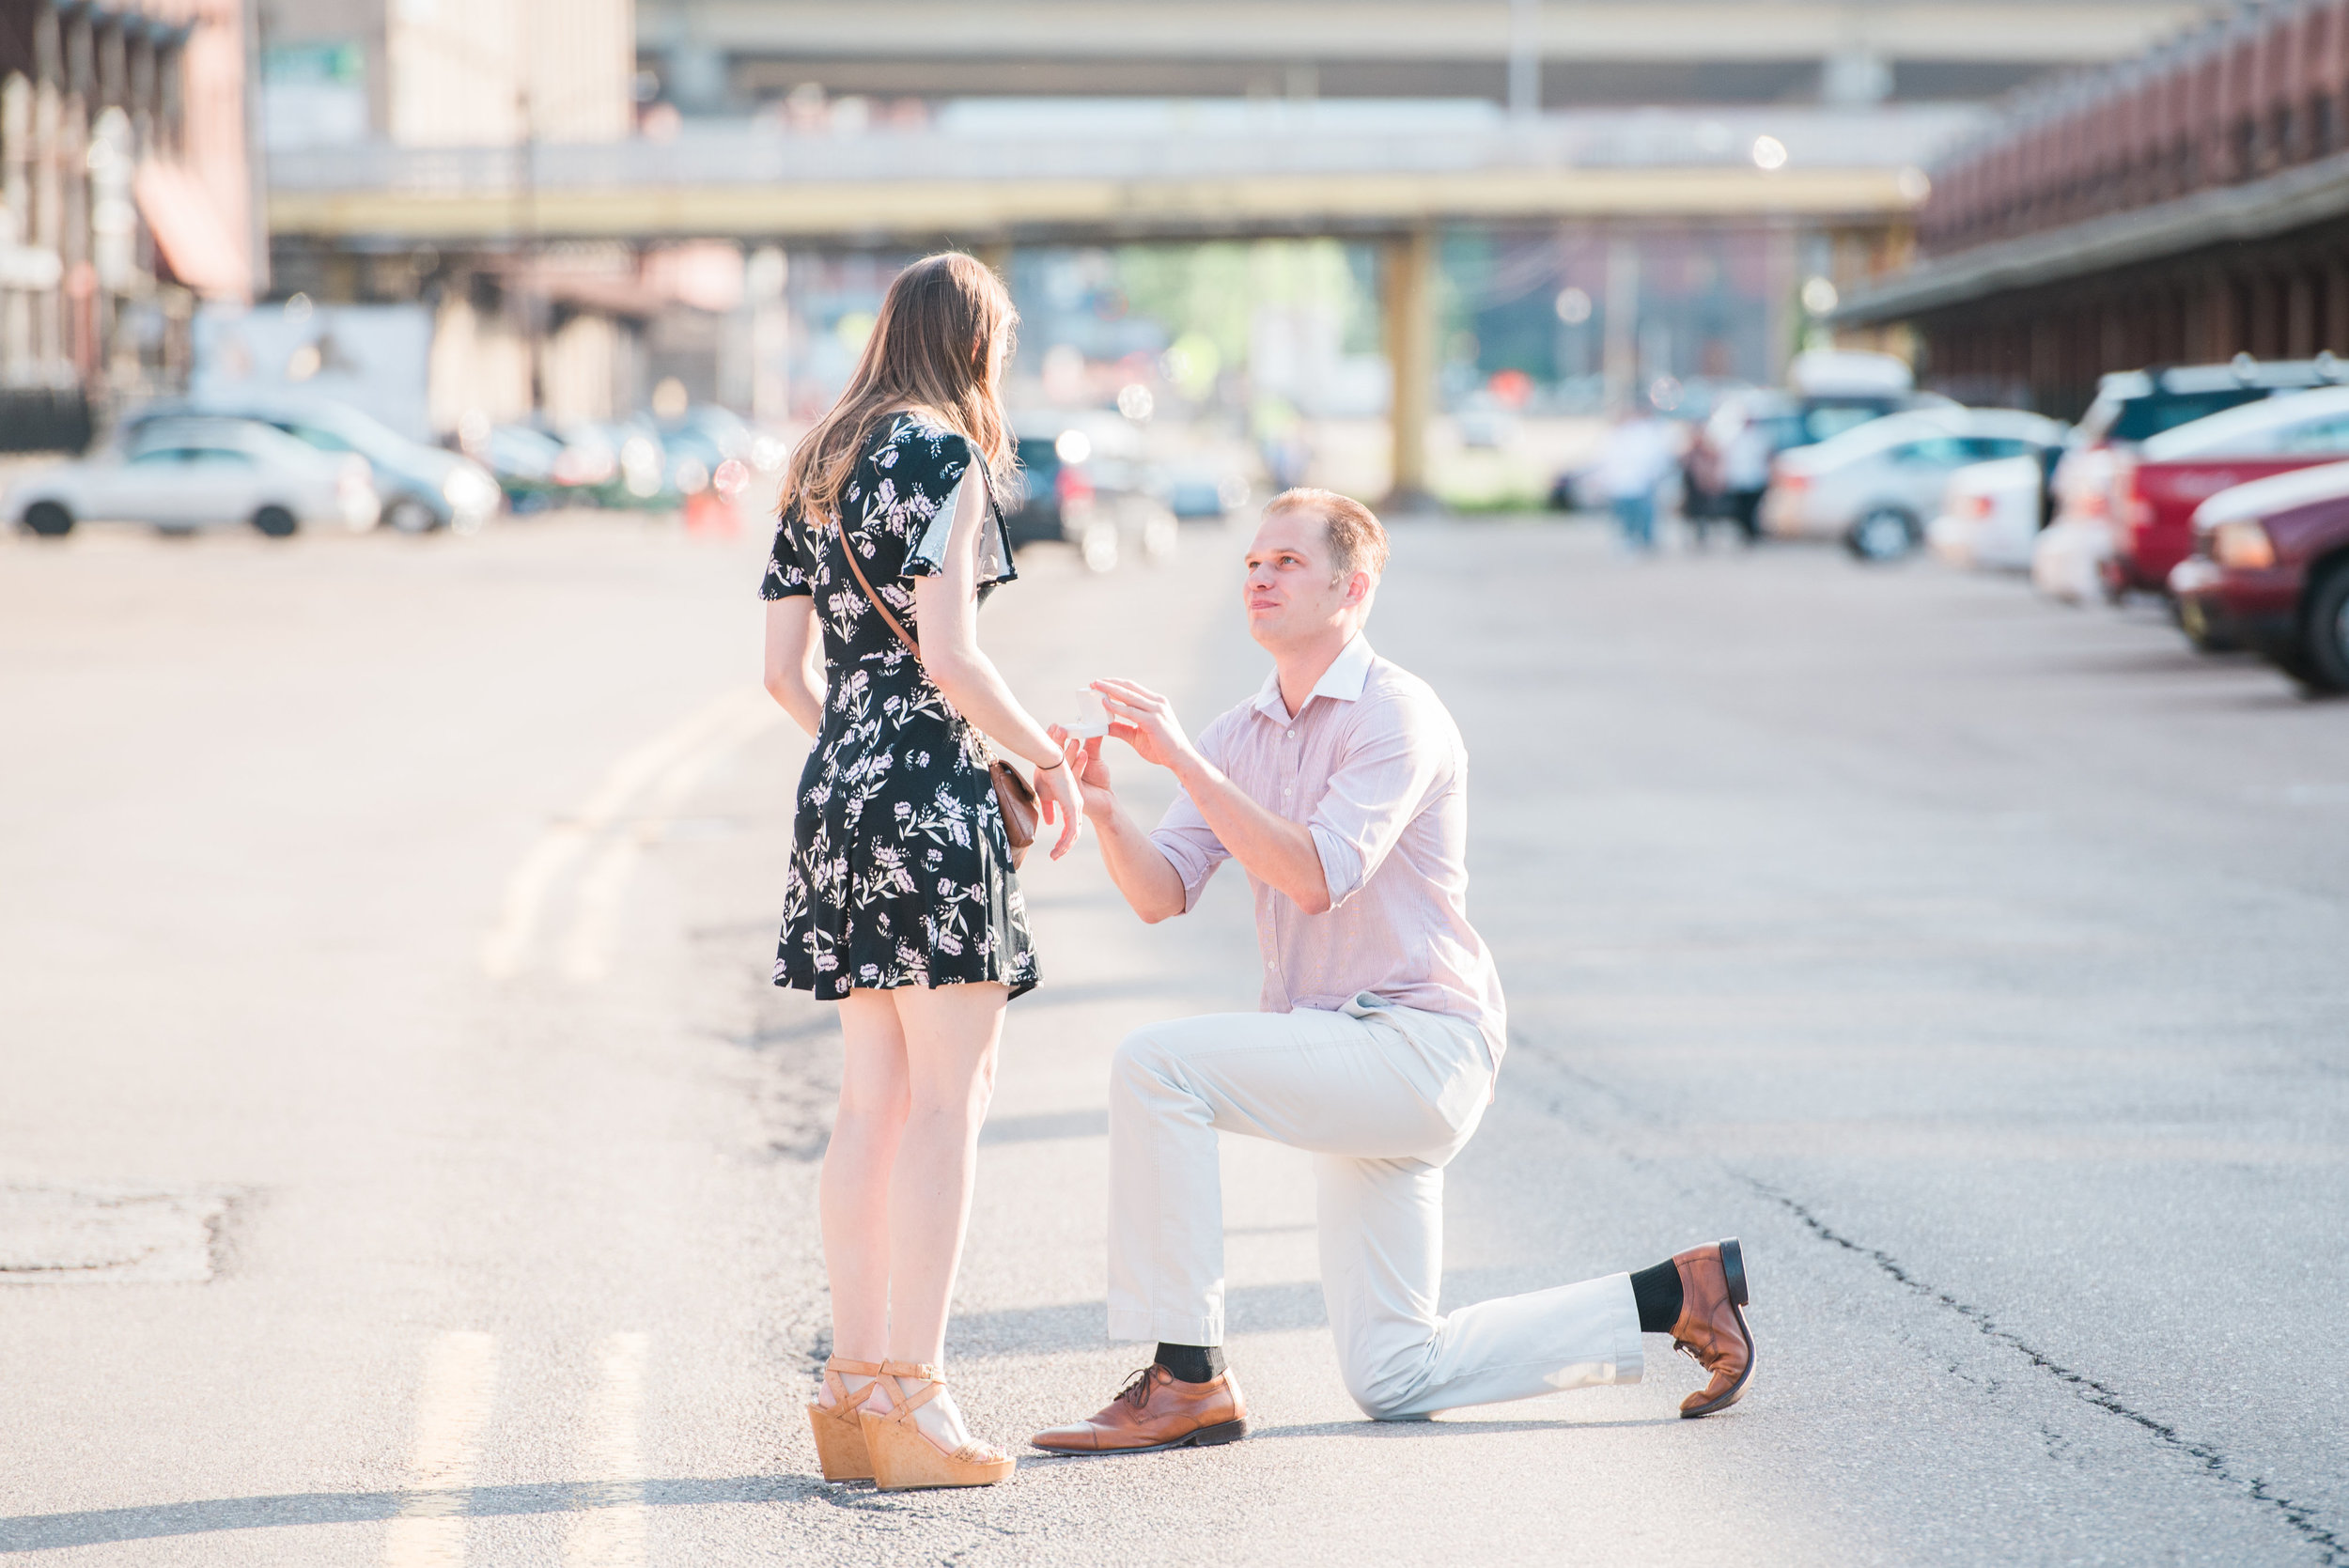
902	1405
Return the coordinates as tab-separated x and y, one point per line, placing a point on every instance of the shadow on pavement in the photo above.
34	1532
1365	1427
1046	1125
1082	1325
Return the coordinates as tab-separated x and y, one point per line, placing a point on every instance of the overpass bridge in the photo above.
1093	172
726	55
1128	171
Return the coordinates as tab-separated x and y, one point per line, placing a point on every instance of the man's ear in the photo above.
1358	588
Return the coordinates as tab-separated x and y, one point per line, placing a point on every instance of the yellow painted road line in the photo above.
459	1388
506	948
611	1535
595	929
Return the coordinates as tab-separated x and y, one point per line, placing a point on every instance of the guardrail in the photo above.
1876	139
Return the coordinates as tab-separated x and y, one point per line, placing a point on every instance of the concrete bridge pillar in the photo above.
1409	278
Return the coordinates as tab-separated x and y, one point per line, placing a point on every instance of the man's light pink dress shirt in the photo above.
1375	766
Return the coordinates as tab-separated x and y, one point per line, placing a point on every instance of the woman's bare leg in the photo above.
866	1137
950	1035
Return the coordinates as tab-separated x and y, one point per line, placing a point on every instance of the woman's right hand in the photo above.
1057	791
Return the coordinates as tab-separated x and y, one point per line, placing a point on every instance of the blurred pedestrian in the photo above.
1637	457
1745	461
901	902
1342	789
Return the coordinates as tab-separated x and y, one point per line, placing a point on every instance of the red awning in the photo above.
198	247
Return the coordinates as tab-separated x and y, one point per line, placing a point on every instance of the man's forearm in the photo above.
1276	851
1147	878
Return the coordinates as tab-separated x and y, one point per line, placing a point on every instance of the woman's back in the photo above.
898	511
901	873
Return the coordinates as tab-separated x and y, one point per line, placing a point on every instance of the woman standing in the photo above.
901	903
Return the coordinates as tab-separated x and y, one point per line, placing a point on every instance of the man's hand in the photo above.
1146	721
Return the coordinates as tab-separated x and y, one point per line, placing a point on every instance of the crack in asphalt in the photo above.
2301	1517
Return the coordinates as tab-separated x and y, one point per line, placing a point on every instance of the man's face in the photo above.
1288	592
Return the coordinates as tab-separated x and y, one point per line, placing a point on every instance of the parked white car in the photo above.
1991	514
181	474
1874	487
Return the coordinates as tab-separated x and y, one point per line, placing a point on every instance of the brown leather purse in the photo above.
1015	796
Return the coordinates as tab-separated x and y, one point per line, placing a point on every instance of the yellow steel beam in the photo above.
1270	203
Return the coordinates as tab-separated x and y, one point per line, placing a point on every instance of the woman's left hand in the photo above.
1057	791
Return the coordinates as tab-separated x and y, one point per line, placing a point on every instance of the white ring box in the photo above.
1093	719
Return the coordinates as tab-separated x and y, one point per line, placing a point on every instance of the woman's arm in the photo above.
793	652
946	607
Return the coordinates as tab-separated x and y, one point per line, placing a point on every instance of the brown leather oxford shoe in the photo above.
1711	1327
1156	1411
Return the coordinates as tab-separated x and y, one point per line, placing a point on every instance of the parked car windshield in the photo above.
2134	419
2249	429
1833	419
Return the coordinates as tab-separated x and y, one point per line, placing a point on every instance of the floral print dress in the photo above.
901	871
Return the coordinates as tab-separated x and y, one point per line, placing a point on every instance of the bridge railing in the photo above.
1892	137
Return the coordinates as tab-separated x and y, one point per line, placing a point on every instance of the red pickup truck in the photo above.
2157	488
2270	571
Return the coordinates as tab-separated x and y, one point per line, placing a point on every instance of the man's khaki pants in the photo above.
1384	1096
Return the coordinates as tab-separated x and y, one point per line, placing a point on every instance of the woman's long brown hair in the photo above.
930	353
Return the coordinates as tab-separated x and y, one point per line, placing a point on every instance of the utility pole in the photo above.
1410	330
1525	58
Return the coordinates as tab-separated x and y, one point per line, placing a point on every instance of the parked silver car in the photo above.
181	474
423	487
1873	487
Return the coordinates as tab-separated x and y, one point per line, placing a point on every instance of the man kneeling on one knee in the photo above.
1341	787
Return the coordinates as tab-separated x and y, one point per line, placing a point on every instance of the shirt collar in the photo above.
1342	680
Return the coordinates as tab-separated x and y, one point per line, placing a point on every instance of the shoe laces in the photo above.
1137	1390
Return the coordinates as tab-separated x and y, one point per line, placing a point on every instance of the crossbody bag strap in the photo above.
847	548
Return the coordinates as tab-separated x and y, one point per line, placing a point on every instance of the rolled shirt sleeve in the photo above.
1189	846
1389	769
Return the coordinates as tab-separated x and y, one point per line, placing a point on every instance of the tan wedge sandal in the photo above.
839	1428
904	1458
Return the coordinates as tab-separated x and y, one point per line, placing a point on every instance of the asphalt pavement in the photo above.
403	1159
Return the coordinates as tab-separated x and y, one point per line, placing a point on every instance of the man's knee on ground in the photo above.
1388	1403
1389	1392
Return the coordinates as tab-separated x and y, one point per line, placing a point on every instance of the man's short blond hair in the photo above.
1358	541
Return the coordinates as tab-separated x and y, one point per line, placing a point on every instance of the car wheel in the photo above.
1885	534
48	519
275	521
408	515
2325	635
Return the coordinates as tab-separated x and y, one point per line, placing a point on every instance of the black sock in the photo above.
1657	1292
1192	1363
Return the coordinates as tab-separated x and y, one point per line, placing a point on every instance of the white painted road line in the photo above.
459	1390
506	948
595	930
612	1535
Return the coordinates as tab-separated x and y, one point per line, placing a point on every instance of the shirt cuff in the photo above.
1341	865
1188	863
